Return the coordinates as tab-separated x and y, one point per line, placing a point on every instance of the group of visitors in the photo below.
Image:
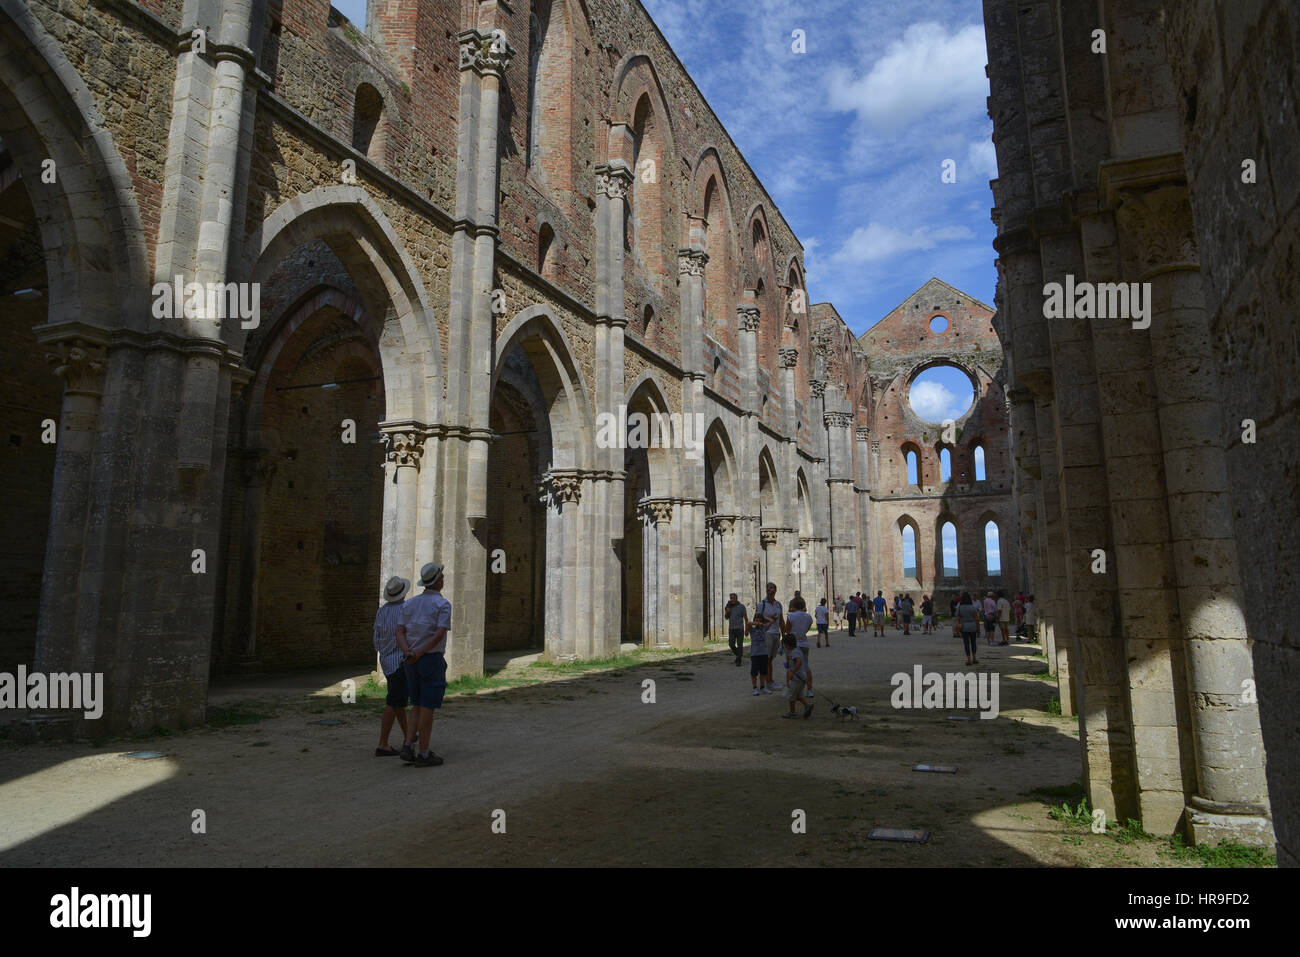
996	613
772	630
411	639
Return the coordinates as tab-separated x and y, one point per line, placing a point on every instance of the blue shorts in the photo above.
398	695
757	665
821	629
427	679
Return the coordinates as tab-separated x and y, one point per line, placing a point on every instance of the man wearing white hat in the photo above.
387	619
422	635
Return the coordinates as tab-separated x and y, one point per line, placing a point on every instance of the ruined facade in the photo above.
1154	143
431	258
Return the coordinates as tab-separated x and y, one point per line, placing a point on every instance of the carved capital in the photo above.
404	447
864	435
721	524
748	316
690	262
875	447
560	487
80	364
817	387
789	357
485	53
837	420
767	536
657	511
1158	226
613	179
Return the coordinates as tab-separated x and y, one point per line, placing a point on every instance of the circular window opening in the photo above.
940	393
939	324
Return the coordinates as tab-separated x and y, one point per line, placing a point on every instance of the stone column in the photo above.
561	492
721	569
843	508
612	182
659	602
403	450
1231	802
62	644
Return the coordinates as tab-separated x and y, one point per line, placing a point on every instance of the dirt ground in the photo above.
585	772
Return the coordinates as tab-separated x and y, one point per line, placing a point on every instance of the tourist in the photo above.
851	609
1031	618
822	614
878	615
838	608
422	634
759	669
898	608
796	670
927	614
737	617
905	608
390	663
800	622
990	608
952	605
772	617
965	622
1018	609
1004	616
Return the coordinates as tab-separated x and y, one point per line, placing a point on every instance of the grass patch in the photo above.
1054	705
1040	675
1228	854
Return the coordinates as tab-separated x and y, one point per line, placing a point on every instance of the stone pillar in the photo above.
660	605
722	569
561	492
404	449
62	643
612	182
1055	594
843	507
1231	801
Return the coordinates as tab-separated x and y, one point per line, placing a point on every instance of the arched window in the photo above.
913	468
645	194
717	316
992	549
367	108
980	474
945	465
909	552
550	89
948	538
545	251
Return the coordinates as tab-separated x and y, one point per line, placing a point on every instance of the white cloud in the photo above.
932	401
928	70
982	159
876	241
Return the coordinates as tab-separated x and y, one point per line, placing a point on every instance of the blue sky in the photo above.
850	137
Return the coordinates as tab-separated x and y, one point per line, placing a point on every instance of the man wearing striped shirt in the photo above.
390	663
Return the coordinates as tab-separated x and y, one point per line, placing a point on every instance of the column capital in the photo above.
817	387
748	316
80	363
722	524
487	54
403	444
837	420
789	356
560	487
659	511
864	434
691	262
768	536
1158	224
613	179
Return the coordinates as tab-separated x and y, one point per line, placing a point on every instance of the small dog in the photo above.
845	711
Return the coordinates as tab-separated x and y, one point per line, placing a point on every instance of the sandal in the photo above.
386	752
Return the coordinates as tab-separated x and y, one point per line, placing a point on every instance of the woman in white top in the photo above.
800	621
